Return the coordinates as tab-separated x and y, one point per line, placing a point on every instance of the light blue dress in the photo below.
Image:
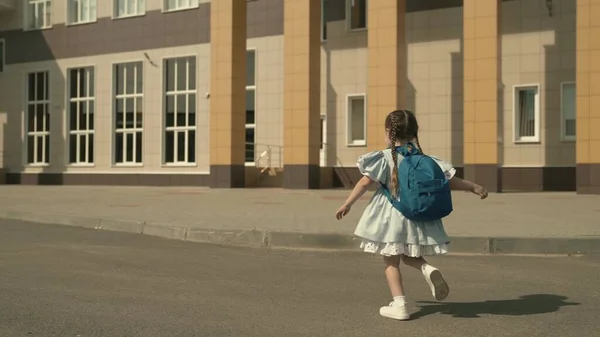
383	229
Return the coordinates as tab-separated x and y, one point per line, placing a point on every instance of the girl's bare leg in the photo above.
393	275
415	262
396	309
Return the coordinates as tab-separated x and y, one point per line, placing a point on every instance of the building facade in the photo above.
236	93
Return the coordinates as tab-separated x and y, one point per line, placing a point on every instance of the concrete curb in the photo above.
278	239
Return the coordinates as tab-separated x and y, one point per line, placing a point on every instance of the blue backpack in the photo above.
424	193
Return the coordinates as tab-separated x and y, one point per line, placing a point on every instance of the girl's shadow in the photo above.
524	305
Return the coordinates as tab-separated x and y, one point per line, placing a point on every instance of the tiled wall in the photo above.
538	49
343	73
104	9
535	48
269	96
13	84
435	75
434	88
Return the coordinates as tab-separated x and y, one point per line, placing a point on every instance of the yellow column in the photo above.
481	77
302	87
386	23
228	93
588	96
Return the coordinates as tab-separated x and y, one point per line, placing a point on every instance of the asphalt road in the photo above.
63	281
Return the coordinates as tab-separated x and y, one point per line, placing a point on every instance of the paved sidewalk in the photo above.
566	222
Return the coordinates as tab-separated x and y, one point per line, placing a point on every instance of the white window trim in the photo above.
125	131
164	95
115	14
537	115
167	10
253	125
349	141
27	7
92	100
3	54
36	134
349	18
69	22
323	21
564	137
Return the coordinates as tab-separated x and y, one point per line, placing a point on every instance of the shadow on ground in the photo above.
524	305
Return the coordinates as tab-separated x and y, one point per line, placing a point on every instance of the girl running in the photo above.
385	231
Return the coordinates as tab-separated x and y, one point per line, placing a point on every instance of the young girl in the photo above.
385	231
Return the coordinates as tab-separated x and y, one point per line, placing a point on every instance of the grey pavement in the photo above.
543	222
67	281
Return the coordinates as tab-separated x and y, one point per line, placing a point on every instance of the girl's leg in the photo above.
435	280
393	275
415	262
396	309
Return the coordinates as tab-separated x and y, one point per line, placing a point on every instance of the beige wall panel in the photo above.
269	96
435	72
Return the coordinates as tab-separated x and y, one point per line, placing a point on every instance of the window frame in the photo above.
349	17
92	101
70	22
114	97
537	115
27	5
254	88
165	8
115	11
2	55
164	130
349	99
564	136
36	134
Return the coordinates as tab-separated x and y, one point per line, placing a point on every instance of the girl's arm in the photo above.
359	190
461	185
465	185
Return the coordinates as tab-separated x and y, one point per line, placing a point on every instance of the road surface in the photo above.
66	281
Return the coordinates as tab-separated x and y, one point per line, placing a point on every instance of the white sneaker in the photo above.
395	311
437	284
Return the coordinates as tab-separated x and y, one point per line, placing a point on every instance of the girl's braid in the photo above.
418	144
393	139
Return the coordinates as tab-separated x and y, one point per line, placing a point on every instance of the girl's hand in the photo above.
480	191
342	212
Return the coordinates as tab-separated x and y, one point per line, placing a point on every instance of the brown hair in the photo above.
402	126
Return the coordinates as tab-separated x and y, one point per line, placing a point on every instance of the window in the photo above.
38	118
81	115
129	94
356	111
527	113
37	14
323	147
82	11
323	20
126	8
250	105
2	46
180	110
173	5
357	14
568	111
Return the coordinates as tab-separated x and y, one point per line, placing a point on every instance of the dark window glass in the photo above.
170	147
250	145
